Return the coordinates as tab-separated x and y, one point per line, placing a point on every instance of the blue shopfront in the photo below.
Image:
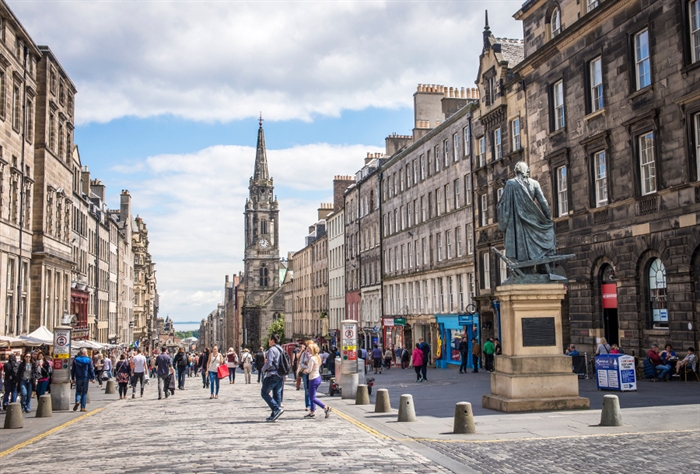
451	328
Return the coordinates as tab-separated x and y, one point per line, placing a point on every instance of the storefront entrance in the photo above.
609	304
451	328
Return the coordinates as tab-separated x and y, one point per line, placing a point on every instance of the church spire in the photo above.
261	173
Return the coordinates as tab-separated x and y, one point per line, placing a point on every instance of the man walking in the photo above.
180	362
163	366
476	354
272	381
139	365
464	354
81	372
425	347
489	350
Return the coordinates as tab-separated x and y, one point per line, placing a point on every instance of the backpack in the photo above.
284	367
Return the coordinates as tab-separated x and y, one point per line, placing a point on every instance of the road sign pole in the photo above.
60	379
348	357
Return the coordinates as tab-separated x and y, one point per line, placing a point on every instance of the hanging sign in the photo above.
609	296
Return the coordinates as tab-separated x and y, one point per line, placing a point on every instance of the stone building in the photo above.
336	256
233	300
19	57
52	200
145	294
498	140
352	269
426	217
614	116
264	300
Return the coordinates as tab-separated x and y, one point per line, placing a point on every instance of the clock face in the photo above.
263	244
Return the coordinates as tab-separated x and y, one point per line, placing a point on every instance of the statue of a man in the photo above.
525	219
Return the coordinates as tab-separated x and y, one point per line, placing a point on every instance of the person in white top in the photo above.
215	360
247	362
313	368
138	367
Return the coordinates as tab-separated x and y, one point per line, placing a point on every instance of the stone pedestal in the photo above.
532	374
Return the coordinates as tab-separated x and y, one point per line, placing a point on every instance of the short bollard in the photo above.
13	416
44	408
611	416
407	412
362	395
87	398
464	419
109	387
382	404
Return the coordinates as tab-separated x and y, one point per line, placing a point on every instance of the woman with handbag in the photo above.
247	362
313	367
123	375
231	363
213	363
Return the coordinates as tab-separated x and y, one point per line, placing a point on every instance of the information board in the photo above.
61	344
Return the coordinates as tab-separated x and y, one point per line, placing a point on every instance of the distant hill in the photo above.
185	334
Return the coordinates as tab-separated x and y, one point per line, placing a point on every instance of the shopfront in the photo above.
451	328
393	332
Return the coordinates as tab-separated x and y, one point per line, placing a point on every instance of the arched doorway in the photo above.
609	304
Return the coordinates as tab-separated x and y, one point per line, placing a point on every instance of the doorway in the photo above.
609	305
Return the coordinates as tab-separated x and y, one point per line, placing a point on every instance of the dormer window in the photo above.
555	23
490	86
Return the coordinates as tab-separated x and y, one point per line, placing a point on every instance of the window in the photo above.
555	23
562	197
418	302
425	253
601	179
442	295
438	238
502	269
482	151
16	108
468	189
410	255
499	193
458	240
695	30
657	294
558	100
455	193
446	154
490	87
437	158
401	180
455	146
422	167
470	239
697	146
497	149
641	59
484	209
460	292
2	94
415	172
467	142
29	131
416	216
422	208
515	132
446	196
430	163
448	241
450	299
591	4
264	277
647	163
486	266
596	72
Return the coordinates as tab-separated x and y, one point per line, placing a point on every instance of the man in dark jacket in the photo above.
259	362
464	354
82	372
11	369
180	362
203	367
425	347
163	365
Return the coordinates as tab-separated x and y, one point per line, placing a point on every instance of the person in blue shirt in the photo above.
571	351
81	373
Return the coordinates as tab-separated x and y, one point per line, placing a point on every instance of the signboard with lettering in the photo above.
349	342
609	295
61	344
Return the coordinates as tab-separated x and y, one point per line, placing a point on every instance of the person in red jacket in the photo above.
661	368
417	361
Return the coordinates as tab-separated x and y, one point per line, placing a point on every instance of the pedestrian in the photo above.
163	366
247	362
312	370
232	364
99	368
107	368
388	357
213	363
171	381
152	369
27	381
123	375
195	363
377	359
425	348
303	364
139	366
82	372
497	345
363	355
464	354
259	362
43	368
489	350
272	380
11	369
405	358
476	354
180	363
296	355
417	361
203	367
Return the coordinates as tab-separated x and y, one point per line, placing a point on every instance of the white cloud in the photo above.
193	206
219	61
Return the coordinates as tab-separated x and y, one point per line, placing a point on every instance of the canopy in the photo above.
40	336
9	341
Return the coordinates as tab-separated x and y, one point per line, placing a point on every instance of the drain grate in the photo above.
330	453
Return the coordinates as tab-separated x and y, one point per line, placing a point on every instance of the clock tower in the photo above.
264	300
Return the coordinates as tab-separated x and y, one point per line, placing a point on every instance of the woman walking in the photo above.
27	381
43	370
215	360
247	362
123	375
417	361
388	357
231	363
107	368
313	367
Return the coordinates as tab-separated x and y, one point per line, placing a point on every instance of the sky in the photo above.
169	95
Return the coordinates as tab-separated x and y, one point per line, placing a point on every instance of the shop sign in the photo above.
388	322
399	321
465	319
